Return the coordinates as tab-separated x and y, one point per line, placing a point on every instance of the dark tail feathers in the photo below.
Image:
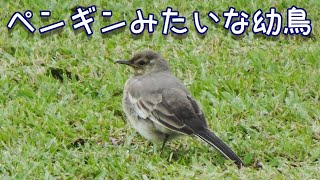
210	138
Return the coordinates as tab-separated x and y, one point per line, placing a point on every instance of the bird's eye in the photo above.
141	63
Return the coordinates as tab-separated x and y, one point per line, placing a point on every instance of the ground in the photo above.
60	100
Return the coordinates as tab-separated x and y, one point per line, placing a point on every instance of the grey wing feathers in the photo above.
172	108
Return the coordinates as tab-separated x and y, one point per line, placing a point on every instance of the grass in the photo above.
259	94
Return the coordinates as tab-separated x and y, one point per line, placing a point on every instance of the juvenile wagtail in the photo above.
160	107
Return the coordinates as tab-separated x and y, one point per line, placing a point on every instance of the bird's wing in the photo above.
172	108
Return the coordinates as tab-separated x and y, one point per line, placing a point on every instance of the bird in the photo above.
159	106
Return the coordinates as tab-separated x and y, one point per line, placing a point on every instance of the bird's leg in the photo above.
164	141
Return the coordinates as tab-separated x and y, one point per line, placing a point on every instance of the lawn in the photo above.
60	100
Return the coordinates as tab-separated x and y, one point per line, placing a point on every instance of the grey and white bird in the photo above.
159	106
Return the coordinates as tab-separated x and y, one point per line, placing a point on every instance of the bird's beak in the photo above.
124	62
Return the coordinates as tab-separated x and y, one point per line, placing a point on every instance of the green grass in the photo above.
260	95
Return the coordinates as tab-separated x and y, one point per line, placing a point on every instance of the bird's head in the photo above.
146	61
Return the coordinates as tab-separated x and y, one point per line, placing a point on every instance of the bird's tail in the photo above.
210	138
